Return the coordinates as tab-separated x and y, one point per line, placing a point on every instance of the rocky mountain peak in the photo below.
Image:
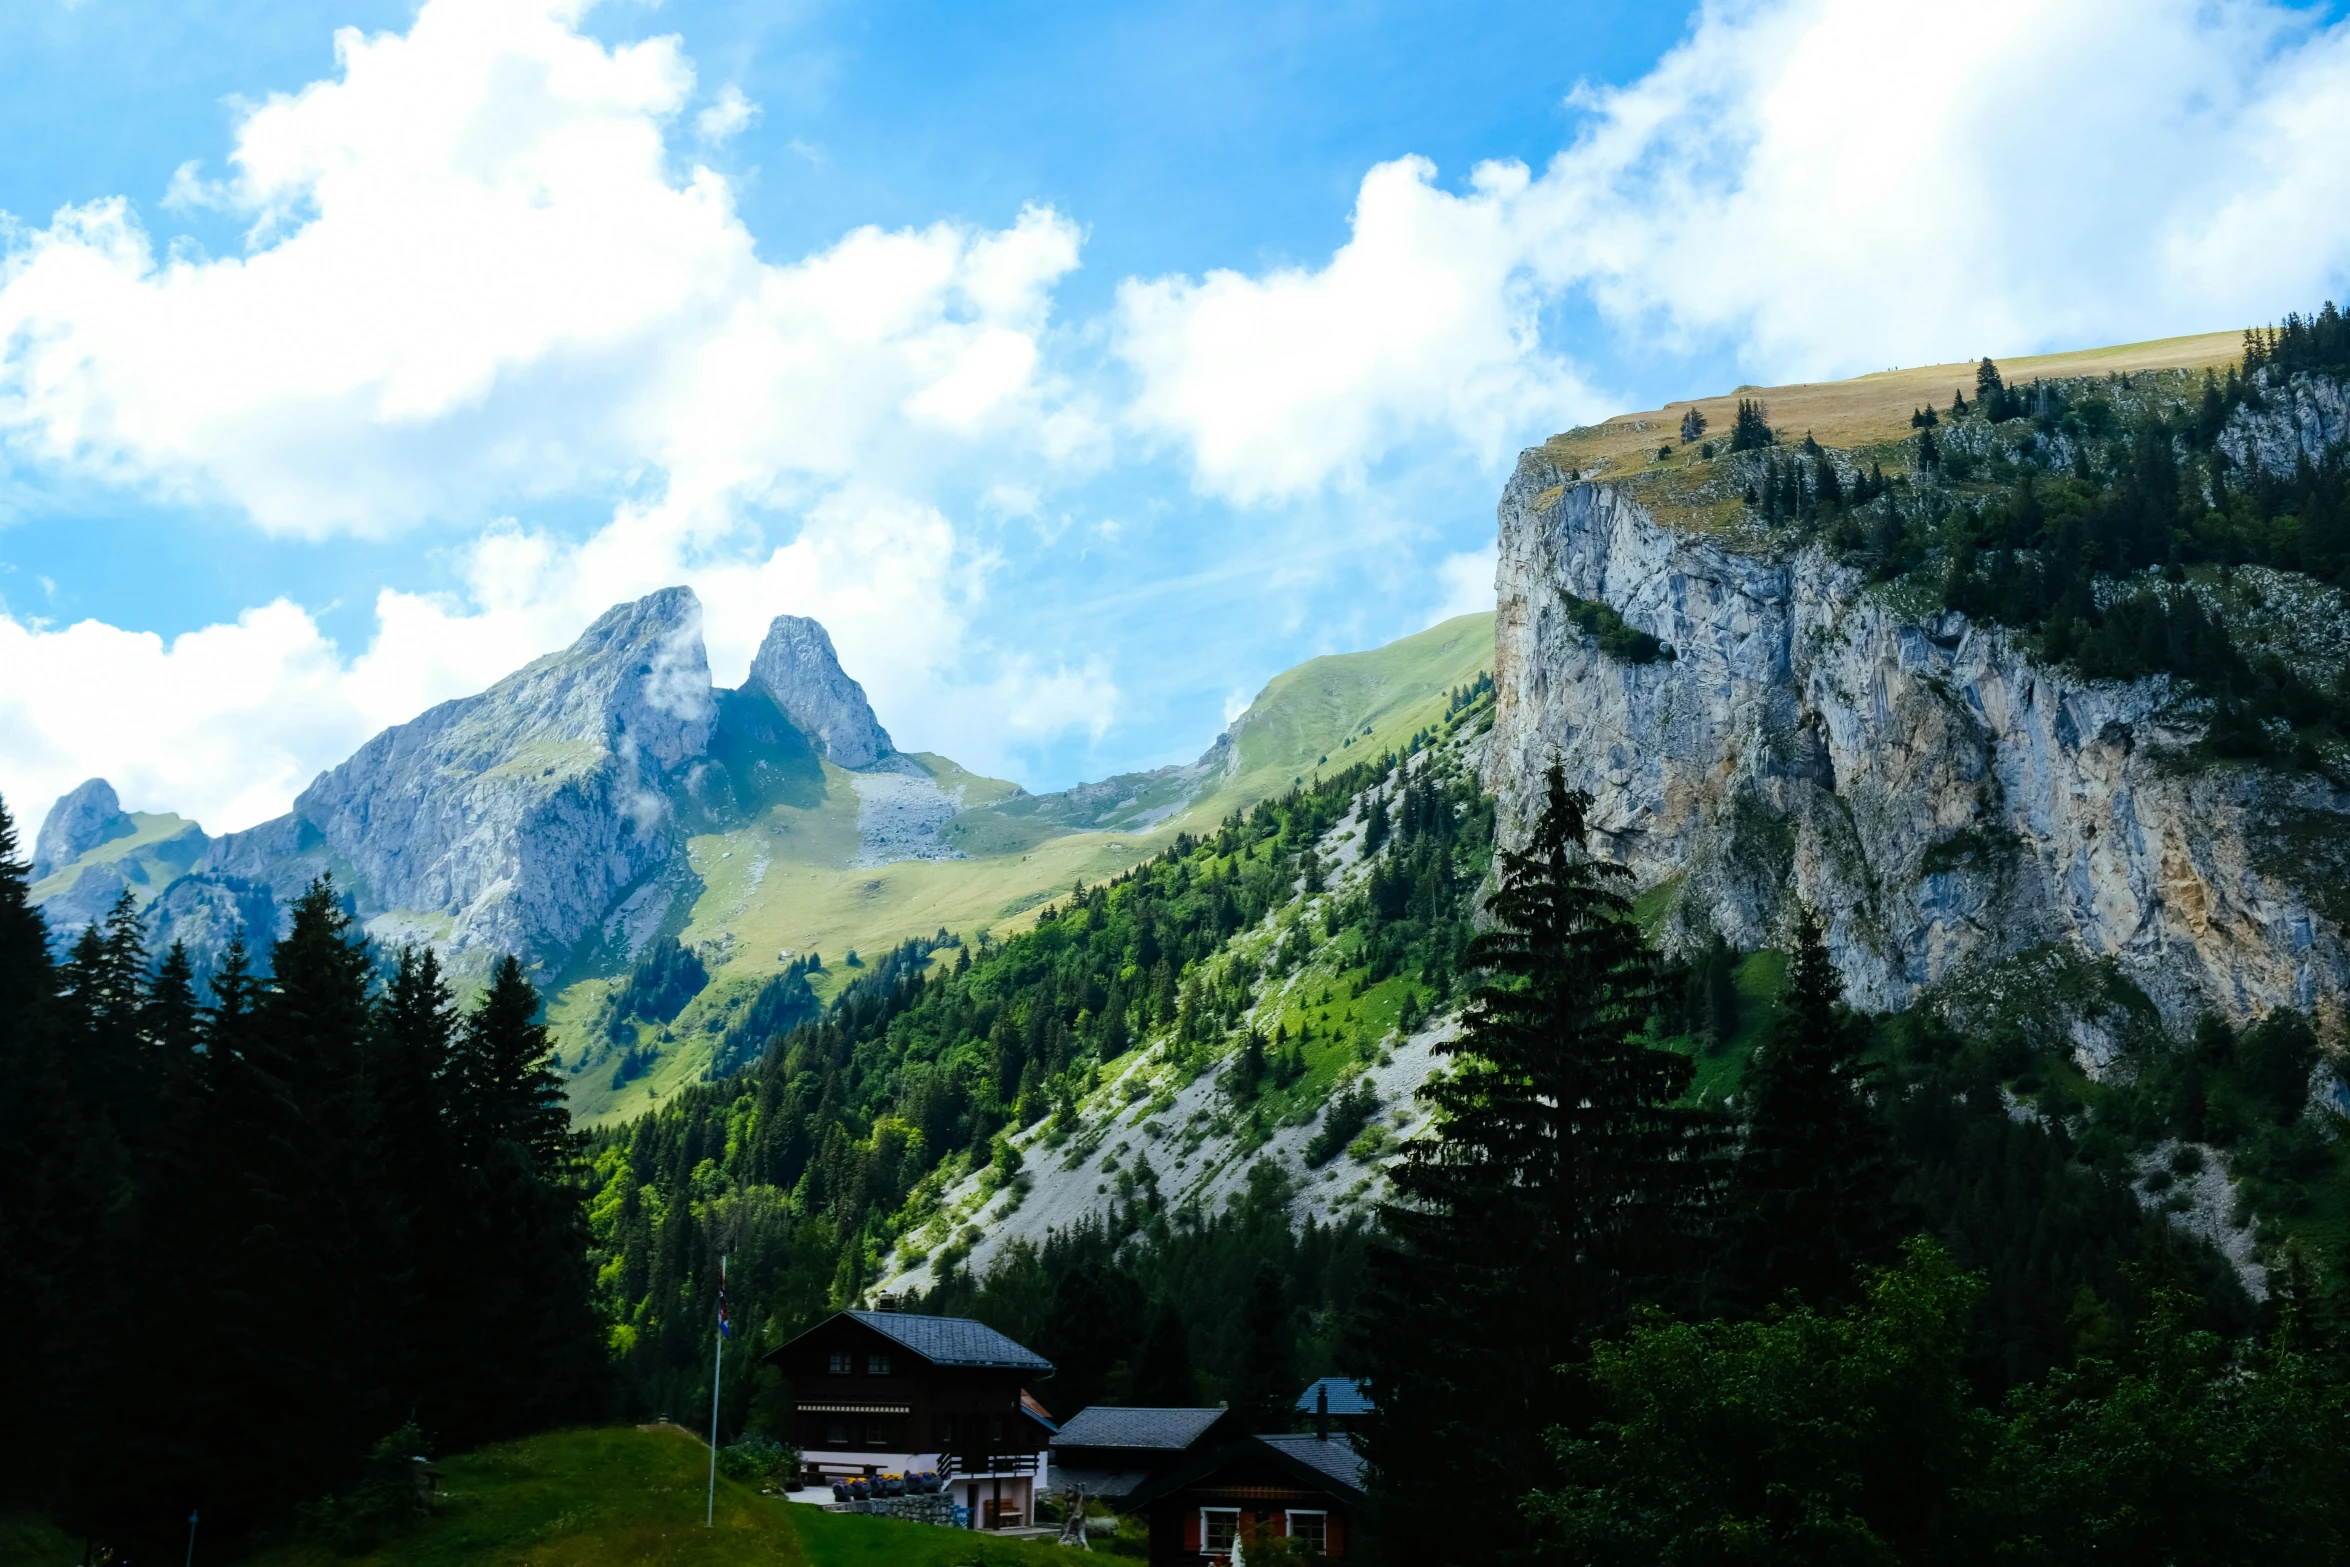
80	821
522	811
801	671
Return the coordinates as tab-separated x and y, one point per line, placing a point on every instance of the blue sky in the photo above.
1080	366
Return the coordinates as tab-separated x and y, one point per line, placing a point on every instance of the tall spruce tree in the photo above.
1566	1185
1814	1180
1268	1353
1163	1378
531	1340
411	1070
56	1180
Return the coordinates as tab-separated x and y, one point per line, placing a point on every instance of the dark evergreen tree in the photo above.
1989	388
533	1346
56	1180
1268	1364
1163	1377
1089	1336
317	1280
1751	430
1566	1187
1813	1178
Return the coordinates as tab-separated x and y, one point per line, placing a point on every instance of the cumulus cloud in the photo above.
727	116
1816	187
1465	583
228	723
473	273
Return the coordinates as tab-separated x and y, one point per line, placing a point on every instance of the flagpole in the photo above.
717	1365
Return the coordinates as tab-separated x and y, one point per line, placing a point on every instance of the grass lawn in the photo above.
625	1495
846	1540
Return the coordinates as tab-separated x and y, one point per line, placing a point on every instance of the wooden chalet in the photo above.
888	1392
1305	1487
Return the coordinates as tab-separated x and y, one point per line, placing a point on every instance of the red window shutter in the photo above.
1334	1543
1191	1535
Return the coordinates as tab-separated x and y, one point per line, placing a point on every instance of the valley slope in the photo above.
609	796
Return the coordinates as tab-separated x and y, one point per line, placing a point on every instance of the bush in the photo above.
386	1502
758	1459
1342	1119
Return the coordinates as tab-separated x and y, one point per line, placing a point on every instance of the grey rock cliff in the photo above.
522	814
79	822
800	670
1944	800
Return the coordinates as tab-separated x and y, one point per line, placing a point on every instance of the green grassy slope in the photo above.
1305	717
621	1495
788	878
161	847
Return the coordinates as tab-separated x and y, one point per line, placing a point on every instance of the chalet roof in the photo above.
943	1341
952	1341
1335	1456
1162	1430
1346	1396
1326	1463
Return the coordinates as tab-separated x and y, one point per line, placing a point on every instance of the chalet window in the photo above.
836	1431
876	1432
1219	1530
877	1365
1311	1528
842	1363
946	1430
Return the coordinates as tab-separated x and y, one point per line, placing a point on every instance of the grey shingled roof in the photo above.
952	1341
1346	1396
1166	1430
1335	1457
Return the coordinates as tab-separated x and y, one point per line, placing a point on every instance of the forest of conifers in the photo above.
1899	1298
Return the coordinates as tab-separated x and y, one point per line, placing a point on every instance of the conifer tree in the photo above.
315	1276
1566	1186
1810	1194
1268	1363
1751	429
1163	1377
1989	389
53	1183
532	1346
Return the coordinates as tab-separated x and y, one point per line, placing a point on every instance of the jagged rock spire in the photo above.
76	824
800	670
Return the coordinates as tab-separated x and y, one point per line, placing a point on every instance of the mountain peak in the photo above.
801	671
81	820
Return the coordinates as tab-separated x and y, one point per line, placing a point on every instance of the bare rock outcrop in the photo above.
1944	800
801	671
82	819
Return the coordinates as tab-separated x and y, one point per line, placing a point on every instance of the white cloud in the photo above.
230	721
1817	188
474	274
1465	582
727	116
227	724
1423	321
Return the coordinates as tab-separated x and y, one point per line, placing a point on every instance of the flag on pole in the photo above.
723	1325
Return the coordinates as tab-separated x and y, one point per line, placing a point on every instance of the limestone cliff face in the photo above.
1943	800
521	814
800	670
80	821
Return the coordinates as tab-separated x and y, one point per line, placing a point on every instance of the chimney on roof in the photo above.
1322	1411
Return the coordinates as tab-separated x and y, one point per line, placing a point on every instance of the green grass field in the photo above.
789	880
621	1495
